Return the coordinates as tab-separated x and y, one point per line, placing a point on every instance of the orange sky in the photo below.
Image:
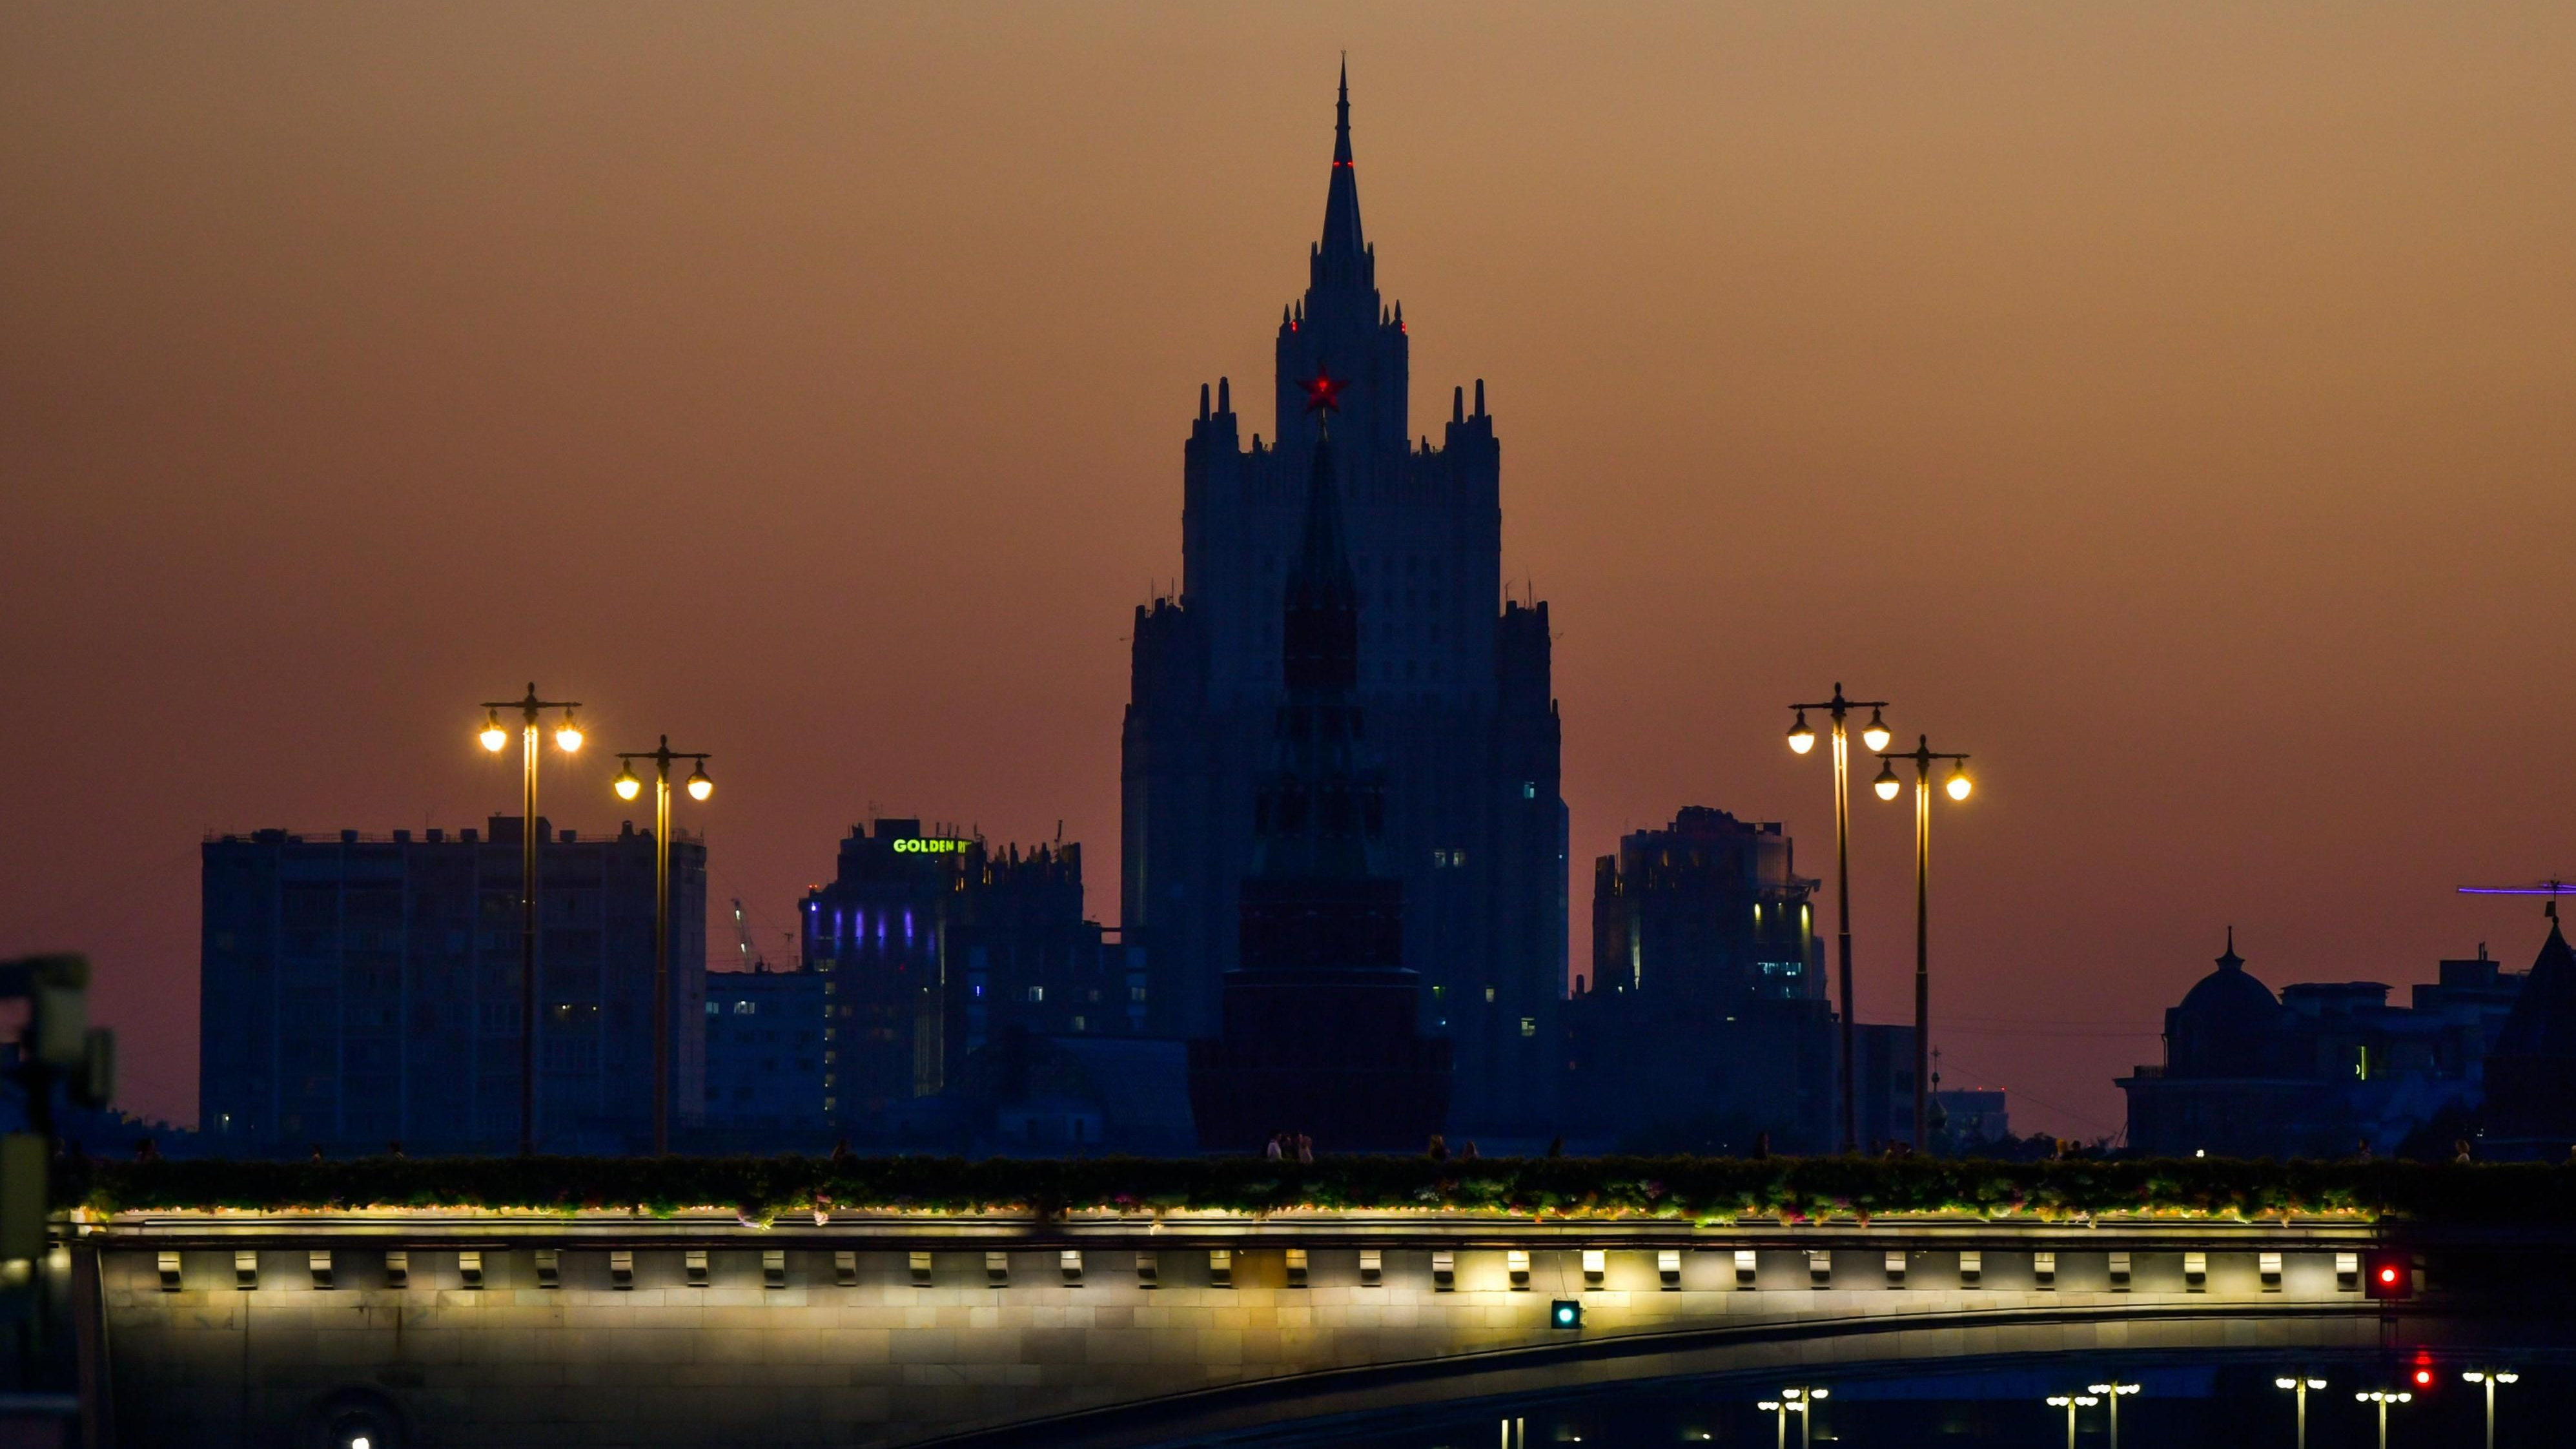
2170	405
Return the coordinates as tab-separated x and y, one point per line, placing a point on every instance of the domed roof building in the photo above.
2228	1024
2326	1067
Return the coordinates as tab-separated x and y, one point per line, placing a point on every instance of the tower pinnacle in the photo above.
1343	252
1342	117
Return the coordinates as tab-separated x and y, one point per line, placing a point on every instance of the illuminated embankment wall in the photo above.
604	1329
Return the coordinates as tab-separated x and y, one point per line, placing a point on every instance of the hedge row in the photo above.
1683	1188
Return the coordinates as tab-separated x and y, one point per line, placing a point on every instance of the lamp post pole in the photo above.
2383	1398
2299	1386
1958	786
2488	1379
2111	1393
700	787
2070	1403
1801	740
495	739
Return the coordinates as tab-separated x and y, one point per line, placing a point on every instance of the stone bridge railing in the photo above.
598	1328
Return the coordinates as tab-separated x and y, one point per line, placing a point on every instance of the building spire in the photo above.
1343	252
1342	117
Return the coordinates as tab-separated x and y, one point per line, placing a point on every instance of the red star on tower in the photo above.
1324	392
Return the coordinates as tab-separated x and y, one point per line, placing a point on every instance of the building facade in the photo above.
765	1035
1703	1023
363	990
1455	679
927	947
2324	1069
1320	1025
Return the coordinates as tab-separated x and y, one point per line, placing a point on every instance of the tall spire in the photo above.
1343	251
1342	117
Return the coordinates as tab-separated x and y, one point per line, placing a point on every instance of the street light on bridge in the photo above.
2070	1403
628	787
2488	1379
1801	740
1957	787
2300	1385
495	738
2111	1393
2383	1398
1801	1402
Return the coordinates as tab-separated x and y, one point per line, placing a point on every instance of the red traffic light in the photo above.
2388	1275
2423	1378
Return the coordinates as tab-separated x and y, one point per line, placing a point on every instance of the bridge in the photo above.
1101	1328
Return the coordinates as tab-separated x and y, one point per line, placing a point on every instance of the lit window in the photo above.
1037	993
1077	1023
1529	789
1529	1026
746	1008
1489	993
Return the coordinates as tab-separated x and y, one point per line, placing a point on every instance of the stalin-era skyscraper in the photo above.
1321	1029
1454	679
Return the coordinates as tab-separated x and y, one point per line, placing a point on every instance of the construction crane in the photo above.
742	939
2550	888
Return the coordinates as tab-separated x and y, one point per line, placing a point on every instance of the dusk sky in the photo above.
2173	406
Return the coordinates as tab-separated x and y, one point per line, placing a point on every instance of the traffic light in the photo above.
1565	1313
2388	1275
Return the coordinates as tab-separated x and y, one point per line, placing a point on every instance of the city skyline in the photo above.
2204	486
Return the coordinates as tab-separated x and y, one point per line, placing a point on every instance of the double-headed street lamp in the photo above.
2111	1393
2383	1398
496	739
1801	740
628	787
1958	786
1801	1402
2070	1403
2489	1378
2300	1384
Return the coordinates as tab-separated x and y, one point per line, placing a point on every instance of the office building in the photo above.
1703	1024
1455	680
362	990
765	1035
929	946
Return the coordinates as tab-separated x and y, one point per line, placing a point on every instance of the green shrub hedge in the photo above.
1682	1188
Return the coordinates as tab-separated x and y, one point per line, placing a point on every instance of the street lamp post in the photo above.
2111	1394
2300	1385
2070	1403
2383	1398
496	739
1801	740
1958	787
2488	1379
1801	1402
628	787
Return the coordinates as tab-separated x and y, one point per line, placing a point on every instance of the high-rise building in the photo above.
1455	680
765	1033
1320	1030
359	990
1704	1024
930	946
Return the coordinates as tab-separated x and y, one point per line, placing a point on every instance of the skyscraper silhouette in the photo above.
1321	1029
1455	681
